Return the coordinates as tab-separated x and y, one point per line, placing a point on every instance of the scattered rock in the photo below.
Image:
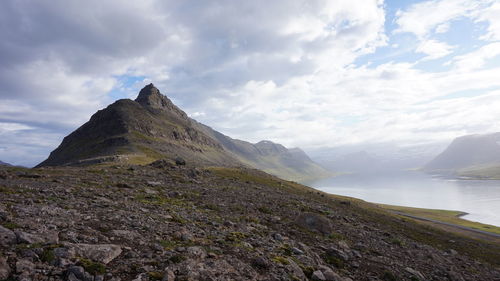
454	276
169	276
42	238
196	252
7	236
330	275
77	273
261	262
162	164
297	251
103	253
153	183
4	268
337	253
415	273
180	161
278	237
24	265
318	276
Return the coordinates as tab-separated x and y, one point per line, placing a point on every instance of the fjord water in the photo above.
479	198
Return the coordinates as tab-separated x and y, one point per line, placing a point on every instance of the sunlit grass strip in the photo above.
444	216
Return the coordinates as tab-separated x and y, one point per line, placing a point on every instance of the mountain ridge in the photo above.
151	127
469	155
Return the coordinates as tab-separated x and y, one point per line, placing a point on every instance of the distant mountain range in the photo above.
152	128
375	158
471	156
4	164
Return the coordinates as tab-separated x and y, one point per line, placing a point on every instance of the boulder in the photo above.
42	238
24	266
318	276
337	253
330	275
179	161
77	273
314	222
415	273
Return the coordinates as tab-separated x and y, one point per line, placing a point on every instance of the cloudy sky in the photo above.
306	73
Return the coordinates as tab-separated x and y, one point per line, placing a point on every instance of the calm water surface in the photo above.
481	199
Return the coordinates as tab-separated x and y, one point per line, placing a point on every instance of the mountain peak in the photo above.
151	98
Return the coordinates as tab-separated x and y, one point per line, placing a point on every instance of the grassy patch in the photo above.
47	255
154	199
93	267
6	190
444	216
10	225
155	275
281	260
177	259
235	236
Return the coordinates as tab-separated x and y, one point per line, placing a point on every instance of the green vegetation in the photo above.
177	259
48	255
235	236
335	261
10	225
93	267
481	172
153	199
389	276
155	275
281	260
444	216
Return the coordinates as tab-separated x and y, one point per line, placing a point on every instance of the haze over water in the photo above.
479	198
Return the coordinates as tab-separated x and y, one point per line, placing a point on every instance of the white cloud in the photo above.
284	72
434	49
491	16
59	59
478	58
443	28
422	18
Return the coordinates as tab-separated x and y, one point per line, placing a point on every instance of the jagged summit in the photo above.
152	98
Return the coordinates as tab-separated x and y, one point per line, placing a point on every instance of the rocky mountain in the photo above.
181	222
468	153
152	128
4	164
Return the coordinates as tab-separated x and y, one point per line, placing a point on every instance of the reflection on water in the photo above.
481	199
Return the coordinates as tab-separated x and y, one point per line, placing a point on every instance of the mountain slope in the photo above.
4	164
159	222
468	153
152	127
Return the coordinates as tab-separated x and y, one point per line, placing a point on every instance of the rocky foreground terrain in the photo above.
167	221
